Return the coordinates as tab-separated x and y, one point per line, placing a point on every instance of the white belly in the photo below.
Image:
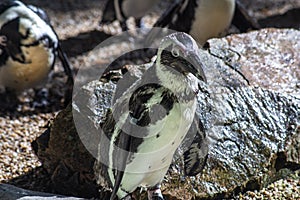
212	17
149	166
19	76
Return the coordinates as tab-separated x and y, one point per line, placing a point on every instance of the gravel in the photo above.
288	188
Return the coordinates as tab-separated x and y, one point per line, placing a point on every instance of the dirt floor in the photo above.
77	25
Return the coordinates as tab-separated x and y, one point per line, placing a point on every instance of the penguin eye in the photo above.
175	52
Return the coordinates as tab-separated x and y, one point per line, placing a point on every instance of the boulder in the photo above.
10	192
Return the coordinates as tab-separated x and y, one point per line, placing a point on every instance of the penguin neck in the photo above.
179	84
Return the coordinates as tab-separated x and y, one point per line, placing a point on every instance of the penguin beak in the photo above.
195	67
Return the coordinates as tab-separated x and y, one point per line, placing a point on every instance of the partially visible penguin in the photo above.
28	47
211	17
121	10
204	19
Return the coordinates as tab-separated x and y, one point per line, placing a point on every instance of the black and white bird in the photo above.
150	119
28	47
211	17
205	19
121	10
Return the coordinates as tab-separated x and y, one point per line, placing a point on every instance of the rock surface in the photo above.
274	13
265	8
251	125
251	111
66	159
9	192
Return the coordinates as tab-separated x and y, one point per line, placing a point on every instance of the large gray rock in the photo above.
10	192
265	8
253	128
250	109
252	124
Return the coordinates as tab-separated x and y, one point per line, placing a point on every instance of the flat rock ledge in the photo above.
250	109
10	192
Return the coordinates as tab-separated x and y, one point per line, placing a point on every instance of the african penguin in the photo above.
150	119
204	19
123	9
28	46
212	17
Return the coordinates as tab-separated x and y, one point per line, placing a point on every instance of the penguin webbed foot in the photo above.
155	193
157	197
128	197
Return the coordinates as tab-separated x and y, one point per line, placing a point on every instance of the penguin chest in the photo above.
212	17
155	153
29	52
35	68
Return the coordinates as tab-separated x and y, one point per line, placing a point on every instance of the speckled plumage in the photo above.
151	118
29	46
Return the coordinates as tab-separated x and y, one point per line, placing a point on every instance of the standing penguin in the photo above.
121	10
208	18
204	19
149	120
28	47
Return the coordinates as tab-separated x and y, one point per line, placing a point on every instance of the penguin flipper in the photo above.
121	159
68	71
196	155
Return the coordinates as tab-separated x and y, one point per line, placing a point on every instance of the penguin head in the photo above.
181	52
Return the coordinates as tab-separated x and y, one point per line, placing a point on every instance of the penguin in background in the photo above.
29	47
121	10
205	19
